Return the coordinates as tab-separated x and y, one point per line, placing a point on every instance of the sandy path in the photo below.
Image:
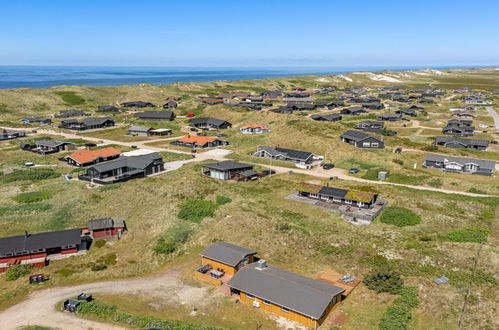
40	307
494	116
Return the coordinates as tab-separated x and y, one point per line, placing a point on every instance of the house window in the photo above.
336	199
366	144
268	303
348	201
284	309
250	296
335	300
374	145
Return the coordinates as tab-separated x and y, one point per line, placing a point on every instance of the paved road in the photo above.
494	116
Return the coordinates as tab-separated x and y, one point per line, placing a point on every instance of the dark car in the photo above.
222	135
201	134
90	145
328	166
354	170
134	146
268	172
194	151
193	129
398	150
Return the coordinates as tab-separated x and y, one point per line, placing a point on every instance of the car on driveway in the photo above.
354	170
327	166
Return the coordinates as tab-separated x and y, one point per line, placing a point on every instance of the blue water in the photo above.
48	76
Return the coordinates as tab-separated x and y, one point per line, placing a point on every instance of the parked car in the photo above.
483	125
221	135
201	134
193	129
354	170
194	151
398	150
328	166
90	144
29	164
134	146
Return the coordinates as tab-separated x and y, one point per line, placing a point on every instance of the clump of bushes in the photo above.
25	208
384	280
196	210
430	148
100	243
70	98
398	314
32	197
468	235
477	191
29	175
18	271
221	200
399	216
173	239
435	183
398	161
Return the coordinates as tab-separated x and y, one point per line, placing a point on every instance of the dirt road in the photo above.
494	116
40	308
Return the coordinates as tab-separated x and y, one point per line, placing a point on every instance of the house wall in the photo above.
215	264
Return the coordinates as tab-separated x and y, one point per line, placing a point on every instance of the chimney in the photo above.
26	235
261	264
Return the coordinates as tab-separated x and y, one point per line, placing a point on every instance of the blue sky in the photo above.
249	33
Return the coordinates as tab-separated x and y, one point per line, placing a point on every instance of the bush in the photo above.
398	315
18	271
173	238
100	243
430	148
399	216
98	267
384	281
196	210
477	191
437	183
468	235
25	208
398	161
70	98
29	175
32	197
221	200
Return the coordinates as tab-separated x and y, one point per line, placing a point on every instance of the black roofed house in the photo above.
70	113
273	95
33	120
283	110
335	104
330	117
87	123
170	105
369	124
463	114
302	159
459	127
426	101
353	111
460	164
107	228
415	107
11	134
124	168
390	117
298	100
373	105
401	99
156	115
360	199
135	130
137	104
212	123
455	142
290	295
230	170
107	108
48	146
362	140
407	112
34	248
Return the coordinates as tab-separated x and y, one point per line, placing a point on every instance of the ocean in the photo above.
48	76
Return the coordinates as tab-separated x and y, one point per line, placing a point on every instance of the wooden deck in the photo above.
332	277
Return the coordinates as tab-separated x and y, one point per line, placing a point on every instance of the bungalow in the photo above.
148	131
86	157
362	140
373	105
211	100
333	195
463	114
156	115
353	111
107	228
460	164
390	117
170	105
335	104
415	107
330	117
229	170
35	248
48	146
107	108
407	112
193	141
400	99
298	100
226	257
32	120
124	168
426	101
455	142
211	123
70	113
369	124
254	129
273	95
87	123
459	127
290	295
137	104
11	134
300	158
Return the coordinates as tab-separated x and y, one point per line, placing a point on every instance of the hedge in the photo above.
384	281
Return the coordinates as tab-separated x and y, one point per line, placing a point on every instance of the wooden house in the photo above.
329	117
156	115
460	164
456	142
301	158
11	134
195	141
107	228
333	195
230	170
148	131
227	257
107	108
137	104
87	157
362	140
254	129
353	111
210	123
70	113
87	123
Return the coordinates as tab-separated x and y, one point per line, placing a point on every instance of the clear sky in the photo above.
249	33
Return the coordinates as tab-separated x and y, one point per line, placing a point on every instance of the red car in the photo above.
190	114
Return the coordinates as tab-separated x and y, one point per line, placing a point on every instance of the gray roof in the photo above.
356	135
51	143
328	117
228	166
136	162
155	114
40	241
96	120
295	292
208	121
334	192
226	253
466	142
96	224
289	153
482	163
144	129
248	173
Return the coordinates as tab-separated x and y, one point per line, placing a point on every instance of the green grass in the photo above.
468	235
173	238
32	197
18	271
399	216
70	98
196	210
31	175
399	314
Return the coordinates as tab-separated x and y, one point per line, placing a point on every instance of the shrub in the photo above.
468	235
17	271
430	148
25	208
384	281
70	98
221	200
173	238
29	175
477	191
196	210
398	161
98	267
435	183
100	243
398	314
399	216
32	197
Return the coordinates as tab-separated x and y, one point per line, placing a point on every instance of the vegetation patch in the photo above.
468	235
100	243
32	197
399	216
70	98
29	175
384	280
477	191
196	210
26	208
111	312
18	271
398	314
174	237
221	200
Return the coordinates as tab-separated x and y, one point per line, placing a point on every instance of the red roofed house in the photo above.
193	141
86	157
254	129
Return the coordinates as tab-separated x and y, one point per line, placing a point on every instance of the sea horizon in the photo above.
46	76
